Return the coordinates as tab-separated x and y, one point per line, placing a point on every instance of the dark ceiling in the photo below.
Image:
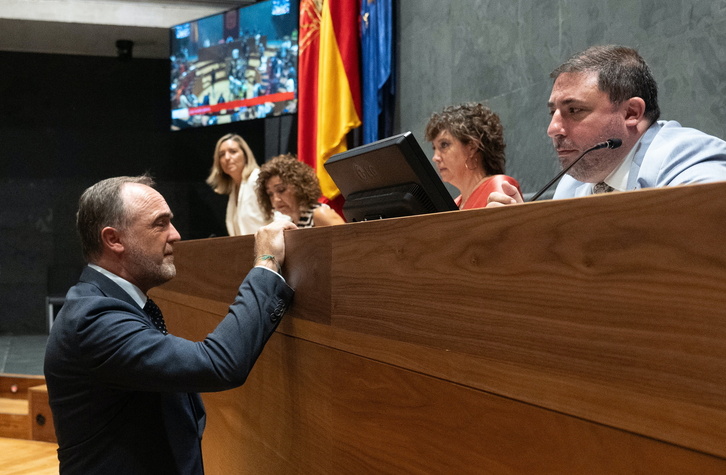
92	27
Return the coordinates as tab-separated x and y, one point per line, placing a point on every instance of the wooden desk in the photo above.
571	336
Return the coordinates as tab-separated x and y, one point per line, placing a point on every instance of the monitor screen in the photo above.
233	66
387	179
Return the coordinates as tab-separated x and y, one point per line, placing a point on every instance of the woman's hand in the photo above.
509	196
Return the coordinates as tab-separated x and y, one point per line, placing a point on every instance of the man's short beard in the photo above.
150	273
592	165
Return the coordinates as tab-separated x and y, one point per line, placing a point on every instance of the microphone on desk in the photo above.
609	143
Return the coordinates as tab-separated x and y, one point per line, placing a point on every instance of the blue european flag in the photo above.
377	69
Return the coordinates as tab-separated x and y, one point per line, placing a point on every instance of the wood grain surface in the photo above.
571	336
28	457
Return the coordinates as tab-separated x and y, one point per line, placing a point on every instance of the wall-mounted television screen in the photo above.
233	66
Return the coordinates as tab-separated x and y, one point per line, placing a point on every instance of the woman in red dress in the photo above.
468	143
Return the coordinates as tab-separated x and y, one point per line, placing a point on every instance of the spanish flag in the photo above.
329	103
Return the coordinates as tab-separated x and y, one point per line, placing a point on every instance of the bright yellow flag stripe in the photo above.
336	110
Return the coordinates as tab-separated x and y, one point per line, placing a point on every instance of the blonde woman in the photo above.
234	173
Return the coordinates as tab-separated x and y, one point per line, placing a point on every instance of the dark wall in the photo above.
67	122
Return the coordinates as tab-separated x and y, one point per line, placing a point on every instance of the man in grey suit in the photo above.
123	391
608	92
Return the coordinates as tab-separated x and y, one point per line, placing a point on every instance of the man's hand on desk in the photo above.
270	244
509	197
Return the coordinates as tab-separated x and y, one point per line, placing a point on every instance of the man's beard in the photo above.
593	164
598	164
149	273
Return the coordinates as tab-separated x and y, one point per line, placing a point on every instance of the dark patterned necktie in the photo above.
602	187
153	311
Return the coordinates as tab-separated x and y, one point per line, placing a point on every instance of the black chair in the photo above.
60	279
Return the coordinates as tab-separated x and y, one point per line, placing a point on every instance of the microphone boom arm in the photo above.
610	143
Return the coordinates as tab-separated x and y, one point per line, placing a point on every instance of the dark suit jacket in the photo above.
123	395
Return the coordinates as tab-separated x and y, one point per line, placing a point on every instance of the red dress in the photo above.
478	198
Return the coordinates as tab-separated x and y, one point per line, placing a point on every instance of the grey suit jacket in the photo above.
667	155
123	395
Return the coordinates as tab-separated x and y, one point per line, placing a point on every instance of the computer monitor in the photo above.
388	179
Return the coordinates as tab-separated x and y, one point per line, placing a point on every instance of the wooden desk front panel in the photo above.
310	408
578	321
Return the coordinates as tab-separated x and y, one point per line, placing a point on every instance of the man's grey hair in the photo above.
101	206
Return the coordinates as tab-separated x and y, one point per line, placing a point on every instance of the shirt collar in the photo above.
133	291
618	179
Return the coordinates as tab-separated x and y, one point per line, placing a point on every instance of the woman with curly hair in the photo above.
468	143
234	173
290	187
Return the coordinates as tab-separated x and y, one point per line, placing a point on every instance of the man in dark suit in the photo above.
123	391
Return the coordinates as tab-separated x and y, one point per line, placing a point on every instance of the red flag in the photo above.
329	96
307	108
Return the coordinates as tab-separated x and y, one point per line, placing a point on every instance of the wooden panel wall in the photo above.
572	336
